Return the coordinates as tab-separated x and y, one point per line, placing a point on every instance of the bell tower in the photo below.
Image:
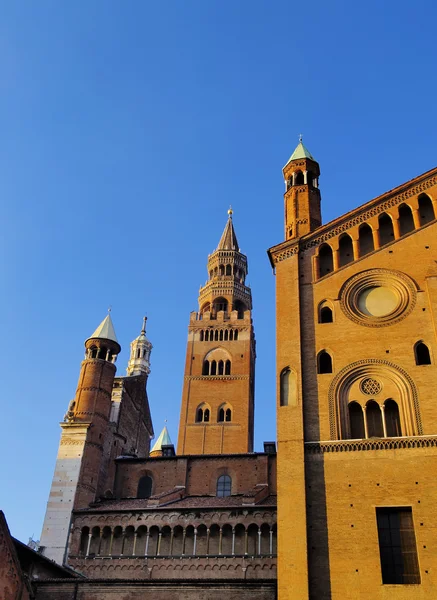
217	412
302	194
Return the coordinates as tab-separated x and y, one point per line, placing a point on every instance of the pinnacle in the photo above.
105	330
229	241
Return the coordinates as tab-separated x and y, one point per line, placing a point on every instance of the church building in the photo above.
346	508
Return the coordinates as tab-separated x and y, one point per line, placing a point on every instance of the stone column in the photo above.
100	543
195	542
135	544
159	543
356	248
246	540
271	541
147	543
183	541
111	542
396	228
384	425
366	434
335	259
220	540
233	541
207	542
90	535
259	540
376	239
416	218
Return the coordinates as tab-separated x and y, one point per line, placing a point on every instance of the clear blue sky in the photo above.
127	129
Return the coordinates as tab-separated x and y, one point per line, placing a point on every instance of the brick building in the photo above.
354	476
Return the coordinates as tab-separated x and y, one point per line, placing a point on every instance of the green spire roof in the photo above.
163	440
105	331
300	152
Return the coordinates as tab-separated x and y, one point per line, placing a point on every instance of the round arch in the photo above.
341	384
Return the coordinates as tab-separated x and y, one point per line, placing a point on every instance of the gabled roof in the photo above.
300	152
163	440
105	330
229	241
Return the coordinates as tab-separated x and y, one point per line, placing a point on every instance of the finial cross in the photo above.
300	137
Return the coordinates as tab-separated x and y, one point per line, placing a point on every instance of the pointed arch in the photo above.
145	485
224	413
228	367
325	312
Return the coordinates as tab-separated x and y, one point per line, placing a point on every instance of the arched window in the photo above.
145	487
199	415
228	367
421	353
356	421
103	352
346	250
213	367
324	363
221	270
240	307
224	486
284	387
221	415
231	335
203	413
365	239
221	335
93	352
228	270
299	180
374	419
426	210
226	335
206	414
205	370
201	335
310	178
385	226
220	304
228	415
392	419
406	221
139	353
220	367
325	313
326	263
216	335
236	334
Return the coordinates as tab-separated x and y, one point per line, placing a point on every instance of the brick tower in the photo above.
79	472
218	396
302	195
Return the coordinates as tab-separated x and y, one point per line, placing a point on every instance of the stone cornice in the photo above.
214	377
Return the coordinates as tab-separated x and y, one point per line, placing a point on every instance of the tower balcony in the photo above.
225	286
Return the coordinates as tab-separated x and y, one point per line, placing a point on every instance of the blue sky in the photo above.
126	131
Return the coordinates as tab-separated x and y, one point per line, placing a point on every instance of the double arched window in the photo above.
224	413
224	486
203	413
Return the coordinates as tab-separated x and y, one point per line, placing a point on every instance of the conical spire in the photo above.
229	241
163	440
105	330
300	152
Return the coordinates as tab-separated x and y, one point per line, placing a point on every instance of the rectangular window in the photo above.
397	546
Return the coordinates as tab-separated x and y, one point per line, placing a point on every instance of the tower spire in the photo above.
229	241
140	350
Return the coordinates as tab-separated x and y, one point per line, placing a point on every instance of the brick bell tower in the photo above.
217	410
79	472
302	194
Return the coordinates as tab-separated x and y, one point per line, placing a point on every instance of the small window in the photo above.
206	415
284	387
201	335
205	370
324	363
224	486
397	546
325	313
374	419
221	415
228	415
145	487
228	367
421	352
199	415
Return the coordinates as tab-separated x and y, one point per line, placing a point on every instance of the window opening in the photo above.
224	486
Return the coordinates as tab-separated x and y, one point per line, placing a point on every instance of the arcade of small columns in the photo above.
166	541
373	234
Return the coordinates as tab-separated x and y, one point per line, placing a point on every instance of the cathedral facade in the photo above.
346	508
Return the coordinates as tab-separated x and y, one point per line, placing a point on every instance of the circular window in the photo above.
378	297
370	386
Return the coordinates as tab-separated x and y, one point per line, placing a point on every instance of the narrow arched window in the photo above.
206	415
93	351
221	269
421	352
103	352
228	367
228	416
406	221
385	226
199	415
326	262
299	180
221	335
392	418
228	270
201	335
346	250
324	362
284	387
205	370
145	487
374	419
226	335
221	415
213	367
139	353
231	335
365	239
220	367
236	335
224	486
325	314
356	421
216	334
426	210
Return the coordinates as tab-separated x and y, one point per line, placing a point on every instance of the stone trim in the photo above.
214	377
371	444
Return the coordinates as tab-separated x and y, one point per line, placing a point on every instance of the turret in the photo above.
140	350
302	195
